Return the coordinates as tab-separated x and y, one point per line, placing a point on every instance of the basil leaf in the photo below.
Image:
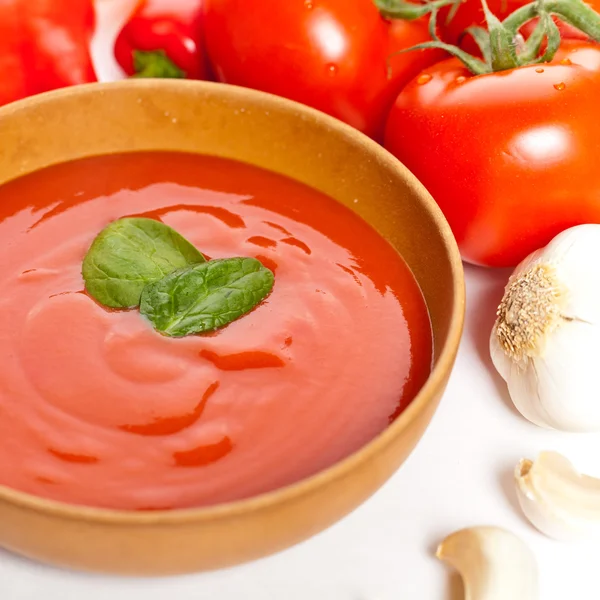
130	253
207	296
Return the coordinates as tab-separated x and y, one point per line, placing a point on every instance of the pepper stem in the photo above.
155	63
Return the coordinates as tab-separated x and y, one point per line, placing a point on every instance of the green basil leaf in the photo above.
130	253
207	296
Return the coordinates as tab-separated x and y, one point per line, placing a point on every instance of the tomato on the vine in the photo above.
470	13
510	157
334	55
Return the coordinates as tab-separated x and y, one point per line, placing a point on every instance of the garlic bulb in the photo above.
557	499
494	564
546	340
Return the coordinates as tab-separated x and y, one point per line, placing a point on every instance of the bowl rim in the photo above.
339	469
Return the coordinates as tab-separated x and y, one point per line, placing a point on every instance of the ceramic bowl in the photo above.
290	139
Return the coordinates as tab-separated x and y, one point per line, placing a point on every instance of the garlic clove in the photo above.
545	338
557	499
494	564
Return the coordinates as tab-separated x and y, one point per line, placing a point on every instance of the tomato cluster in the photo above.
509	155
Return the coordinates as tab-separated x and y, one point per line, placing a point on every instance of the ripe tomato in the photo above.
329	54
510	157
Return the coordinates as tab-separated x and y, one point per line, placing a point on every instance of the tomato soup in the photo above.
98	408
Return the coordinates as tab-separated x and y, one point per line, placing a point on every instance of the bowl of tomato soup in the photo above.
227	320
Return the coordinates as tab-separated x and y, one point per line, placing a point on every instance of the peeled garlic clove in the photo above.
494	564
557	499
545	339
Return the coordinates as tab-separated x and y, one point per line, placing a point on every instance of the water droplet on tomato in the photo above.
539	70
461	79
560	86
332	69
308	5
423	79
565	61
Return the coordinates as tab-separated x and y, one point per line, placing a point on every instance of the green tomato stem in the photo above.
409	11
578	14
482	38
574	12
533	46
553	37
502	48
475	65
522	15
499	44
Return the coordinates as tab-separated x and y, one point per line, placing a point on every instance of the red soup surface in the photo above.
97	408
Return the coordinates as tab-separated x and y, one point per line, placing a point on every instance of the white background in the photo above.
459	475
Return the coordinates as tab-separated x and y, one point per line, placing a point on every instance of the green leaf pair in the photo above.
142	262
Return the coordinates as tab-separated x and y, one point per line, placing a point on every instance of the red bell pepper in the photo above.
44	45
163	38
13	84
58	33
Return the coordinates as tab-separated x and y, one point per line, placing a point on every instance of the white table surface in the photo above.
459	475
